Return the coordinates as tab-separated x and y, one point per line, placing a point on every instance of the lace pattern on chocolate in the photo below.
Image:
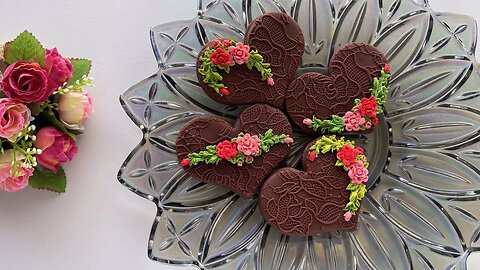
279	39
307	202
246	180
351	70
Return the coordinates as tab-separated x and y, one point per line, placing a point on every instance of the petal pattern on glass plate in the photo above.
463	28
402	40
425	83
421	213
375	241
360	19
235	227
435	127
319	17
148	170
415	215
329	251
436	171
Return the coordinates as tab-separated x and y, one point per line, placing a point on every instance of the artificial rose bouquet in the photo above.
42	109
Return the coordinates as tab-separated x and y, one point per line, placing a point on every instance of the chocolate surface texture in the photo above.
308	202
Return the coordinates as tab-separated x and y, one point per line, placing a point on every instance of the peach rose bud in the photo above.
74	108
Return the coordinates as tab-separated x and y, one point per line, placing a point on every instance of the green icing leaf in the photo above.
24	48
80	67
44	178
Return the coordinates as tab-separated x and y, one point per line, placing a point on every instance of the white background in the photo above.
99	224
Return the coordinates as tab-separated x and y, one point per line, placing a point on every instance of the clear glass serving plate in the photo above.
422	210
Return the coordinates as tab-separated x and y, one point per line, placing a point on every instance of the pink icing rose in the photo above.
74	108
59	69
307	121
347	216
240	53
9	182
270	82
57	148
26	82
248	145
353	121
358	173
288	140
13	118
368	125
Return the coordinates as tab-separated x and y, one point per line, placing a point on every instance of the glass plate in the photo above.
422	208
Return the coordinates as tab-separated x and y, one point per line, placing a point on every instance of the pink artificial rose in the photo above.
59	69
13	118
358	173
9	182
248	145
56	146
240	53
74	108
26	82
347	216
353	121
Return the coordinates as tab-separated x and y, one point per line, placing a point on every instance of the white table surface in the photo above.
99	224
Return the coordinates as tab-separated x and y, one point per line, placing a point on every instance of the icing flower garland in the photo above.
239	150
363	115
42	110
353	160
225	54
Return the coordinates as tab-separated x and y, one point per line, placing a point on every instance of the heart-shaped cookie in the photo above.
256	121
352	70
276	37
311	201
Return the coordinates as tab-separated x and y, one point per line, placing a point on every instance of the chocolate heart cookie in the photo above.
352	71
239	157
316	200
257	72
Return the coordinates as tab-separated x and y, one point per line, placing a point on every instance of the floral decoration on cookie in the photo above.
43	107
363	115
239	150
353	161
238	156
257	69
224	55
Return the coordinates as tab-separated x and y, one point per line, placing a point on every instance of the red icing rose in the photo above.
220	57
185	162
226	150
374	120
368	107
348	155
387	68
312	156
